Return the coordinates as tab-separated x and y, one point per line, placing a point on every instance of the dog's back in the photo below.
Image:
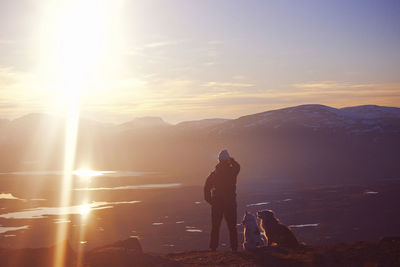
276	231
286	237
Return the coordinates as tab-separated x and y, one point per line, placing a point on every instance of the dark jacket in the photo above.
220	186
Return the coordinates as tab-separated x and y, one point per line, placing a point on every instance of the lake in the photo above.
168	215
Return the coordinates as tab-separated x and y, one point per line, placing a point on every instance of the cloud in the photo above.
121	98
163	43
215	42
209	64
232	104
238	77
159	44
340	85
227	84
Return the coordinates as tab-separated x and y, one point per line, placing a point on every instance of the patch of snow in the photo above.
9	229
371	112
250	125
257	204
371	192
304	225
194	230
266	114
373	129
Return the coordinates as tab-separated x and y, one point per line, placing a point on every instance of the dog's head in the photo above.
267	216
248	218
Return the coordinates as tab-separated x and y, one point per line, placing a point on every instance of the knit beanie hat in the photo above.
224	155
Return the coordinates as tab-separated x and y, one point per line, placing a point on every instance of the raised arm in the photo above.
235	166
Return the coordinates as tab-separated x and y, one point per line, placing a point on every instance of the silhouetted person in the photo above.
220	192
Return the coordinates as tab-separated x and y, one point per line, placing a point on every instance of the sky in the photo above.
187	60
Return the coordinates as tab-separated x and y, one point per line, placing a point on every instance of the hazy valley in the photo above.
326	172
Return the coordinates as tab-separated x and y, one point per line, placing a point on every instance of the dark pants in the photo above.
228	211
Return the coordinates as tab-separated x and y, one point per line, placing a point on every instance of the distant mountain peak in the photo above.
198	124
144	122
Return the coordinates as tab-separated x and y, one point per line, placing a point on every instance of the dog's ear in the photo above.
247	212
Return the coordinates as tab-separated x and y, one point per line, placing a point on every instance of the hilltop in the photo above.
121	254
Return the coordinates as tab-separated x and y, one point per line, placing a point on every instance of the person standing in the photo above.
220	193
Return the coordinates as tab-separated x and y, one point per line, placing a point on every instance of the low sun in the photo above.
78	43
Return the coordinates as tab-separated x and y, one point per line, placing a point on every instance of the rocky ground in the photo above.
129	253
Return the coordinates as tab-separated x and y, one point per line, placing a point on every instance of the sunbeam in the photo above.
77	44
69	159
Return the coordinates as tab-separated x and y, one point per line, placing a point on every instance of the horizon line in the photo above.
193	120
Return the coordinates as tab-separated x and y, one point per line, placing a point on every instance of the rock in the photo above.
131	243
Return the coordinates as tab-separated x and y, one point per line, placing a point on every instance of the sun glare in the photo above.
86	173
77	42
84	209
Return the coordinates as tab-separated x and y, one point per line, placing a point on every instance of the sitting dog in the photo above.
276	231
252	234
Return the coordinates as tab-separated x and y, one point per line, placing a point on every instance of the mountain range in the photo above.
294	144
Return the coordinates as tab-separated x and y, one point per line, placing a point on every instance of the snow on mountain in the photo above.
352	120
372	112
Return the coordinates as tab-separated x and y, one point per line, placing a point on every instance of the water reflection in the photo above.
61	221
257	204
90	173
194	230
81	172
84	209
7	196
143	186
9	229
370	192
43	212
304	225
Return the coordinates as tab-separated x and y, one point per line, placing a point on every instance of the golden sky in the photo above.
186	60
